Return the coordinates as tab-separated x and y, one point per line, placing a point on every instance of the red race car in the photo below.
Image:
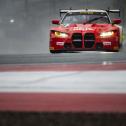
85	29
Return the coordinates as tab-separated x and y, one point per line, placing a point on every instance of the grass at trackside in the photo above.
62	119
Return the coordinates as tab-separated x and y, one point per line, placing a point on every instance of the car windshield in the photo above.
76	18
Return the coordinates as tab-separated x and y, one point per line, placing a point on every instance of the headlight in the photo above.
61	34
106	34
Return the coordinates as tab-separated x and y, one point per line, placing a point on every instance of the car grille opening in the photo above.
89	40
77	40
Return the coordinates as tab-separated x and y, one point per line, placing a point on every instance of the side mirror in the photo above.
55	22
116	21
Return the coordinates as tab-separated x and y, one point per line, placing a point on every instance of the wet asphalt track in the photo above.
84	57
101	101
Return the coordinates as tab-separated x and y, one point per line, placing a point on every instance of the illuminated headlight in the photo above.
61	34
106	34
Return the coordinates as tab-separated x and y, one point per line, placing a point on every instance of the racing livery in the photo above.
85	29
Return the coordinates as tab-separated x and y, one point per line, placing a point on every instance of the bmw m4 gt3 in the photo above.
81	30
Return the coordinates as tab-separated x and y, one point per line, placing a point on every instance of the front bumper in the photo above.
81	44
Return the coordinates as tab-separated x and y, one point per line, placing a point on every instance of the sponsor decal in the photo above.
60	43
106	43
82	29
92	13
87	12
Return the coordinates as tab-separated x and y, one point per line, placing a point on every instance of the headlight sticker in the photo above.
107	34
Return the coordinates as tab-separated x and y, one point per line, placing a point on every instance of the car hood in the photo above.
84	28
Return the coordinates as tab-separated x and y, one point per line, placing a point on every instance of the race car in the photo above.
86	29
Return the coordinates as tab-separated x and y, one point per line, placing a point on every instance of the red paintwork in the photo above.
86	28
62	102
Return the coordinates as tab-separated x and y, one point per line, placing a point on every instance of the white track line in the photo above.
65	82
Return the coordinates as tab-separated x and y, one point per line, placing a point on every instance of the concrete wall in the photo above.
24	24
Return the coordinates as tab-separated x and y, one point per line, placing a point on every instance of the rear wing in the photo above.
114	11
63	12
